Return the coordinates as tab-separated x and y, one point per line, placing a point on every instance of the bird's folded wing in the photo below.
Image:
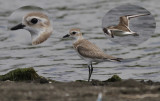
92	52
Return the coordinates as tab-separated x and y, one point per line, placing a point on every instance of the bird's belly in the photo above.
89	60
122	33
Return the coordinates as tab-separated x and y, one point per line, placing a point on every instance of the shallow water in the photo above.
56	58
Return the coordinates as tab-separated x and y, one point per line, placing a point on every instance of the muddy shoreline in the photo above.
24	84
125	90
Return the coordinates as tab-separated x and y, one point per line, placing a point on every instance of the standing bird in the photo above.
122	29
38	24
88	51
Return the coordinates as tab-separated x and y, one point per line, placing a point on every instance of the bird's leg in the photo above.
90	71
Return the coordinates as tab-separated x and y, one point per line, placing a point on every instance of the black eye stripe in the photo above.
34	20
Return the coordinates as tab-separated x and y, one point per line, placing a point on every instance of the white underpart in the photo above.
35	32
34	36
122	33
109	31
77	37
90	60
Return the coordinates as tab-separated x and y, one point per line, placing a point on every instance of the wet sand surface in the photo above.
126	90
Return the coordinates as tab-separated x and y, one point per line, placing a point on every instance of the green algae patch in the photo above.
23	74
114	78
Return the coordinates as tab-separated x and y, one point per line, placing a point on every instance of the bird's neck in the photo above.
40	35
78	38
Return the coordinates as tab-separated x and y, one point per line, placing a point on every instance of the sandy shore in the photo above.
24	84
125	90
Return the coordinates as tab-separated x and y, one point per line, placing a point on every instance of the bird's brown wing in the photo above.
123	21
89	50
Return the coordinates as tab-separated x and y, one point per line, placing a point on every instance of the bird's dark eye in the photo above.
34	21
73	33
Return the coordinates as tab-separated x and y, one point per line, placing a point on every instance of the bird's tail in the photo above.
135	34
117	59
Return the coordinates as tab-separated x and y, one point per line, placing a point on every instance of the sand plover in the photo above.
38	24
122	29
88	51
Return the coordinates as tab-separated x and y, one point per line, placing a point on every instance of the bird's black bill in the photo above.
66	36
19	26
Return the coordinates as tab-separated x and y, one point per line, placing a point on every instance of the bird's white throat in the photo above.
77	38
39	35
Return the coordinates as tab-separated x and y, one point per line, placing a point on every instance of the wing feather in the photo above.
89	50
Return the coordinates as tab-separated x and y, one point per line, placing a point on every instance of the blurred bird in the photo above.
99	97
88	51
122	29
38	24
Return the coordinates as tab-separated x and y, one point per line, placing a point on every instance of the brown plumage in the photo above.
41	38
39	14
90	50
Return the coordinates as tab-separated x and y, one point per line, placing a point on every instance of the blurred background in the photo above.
57	60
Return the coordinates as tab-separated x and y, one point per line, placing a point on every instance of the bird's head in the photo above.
74	33
38	24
